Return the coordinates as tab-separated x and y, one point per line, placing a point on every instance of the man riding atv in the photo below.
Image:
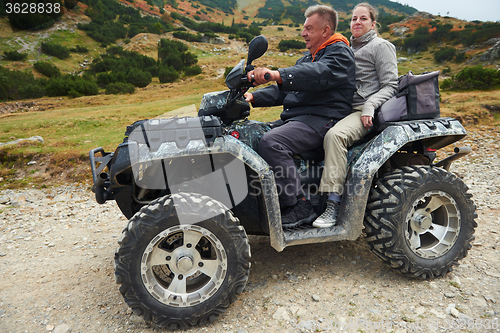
315	93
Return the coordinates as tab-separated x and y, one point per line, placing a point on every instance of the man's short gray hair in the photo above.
327	13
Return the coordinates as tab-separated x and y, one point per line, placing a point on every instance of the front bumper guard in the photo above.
100	178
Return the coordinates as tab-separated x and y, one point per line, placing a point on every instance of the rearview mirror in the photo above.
256	48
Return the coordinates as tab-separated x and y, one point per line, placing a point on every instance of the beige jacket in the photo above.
376	72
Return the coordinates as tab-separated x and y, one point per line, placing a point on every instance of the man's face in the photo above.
315	32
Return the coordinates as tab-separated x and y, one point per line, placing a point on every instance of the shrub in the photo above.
70	4
119	88
447	84
47	69
416	43
105	32
239	29
14	56
474	78
419	41
79	49
285	45
175	54
118	65
56	50
246	36
74	94
61	86
460	57
168	74
173	3
112	21
445	54
187	36
105	78
32	91
483	32
208	33
189	59
139	78
17	84
193	70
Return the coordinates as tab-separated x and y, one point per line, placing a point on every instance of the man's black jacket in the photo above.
314	92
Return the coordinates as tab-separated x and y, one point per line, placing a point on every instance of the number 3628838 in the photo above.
33	8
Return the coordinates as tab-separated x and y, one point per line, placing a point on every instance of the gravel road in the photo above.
56	270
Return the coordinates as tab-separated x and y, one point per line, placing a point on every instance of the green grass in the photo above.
80	129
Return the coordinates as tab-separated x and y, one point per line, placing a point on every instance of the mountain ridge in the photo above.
277	11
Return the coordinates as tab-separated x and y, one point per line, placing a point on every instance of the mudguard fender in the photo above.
228	145
436	133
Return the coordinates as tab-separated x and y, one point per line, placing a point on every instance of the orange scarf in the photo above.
333	39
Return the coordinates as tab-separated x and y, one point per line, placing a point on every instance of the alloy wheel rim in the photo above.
183	265
432	225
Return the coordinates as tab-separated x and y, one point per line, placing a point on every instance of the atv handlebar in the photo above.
243	87
245	83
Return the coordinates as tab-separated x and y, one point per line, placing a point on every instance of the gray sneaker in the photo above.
329	216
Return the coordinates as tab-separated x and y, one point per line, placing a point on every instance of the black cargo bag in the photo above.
417	98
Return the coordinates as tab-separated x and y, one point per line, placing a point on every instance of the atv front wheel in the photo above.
420	220
180	275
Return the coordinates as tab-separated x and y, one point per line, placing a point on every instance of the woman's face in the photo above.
361	22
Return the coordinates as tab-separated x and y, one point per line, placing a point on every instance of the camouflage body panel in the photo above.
366	161
248	131
197	149
216	104
214	100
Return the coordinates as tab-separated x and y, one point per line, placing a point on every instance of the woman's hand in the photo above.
367	122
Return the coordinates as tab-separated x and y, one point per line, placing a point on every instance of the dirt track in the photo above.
56	270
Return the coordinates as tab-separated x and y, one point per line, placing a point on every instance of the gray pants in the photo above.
278	146
340	137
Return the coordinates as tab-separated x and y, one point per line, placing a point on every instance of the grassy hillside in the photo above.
63	32
71	127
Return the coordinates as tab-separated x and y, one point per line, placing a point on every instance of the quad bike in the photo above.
194	187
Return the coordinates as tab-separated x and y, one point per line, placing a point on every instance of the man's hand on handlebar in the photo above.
261	75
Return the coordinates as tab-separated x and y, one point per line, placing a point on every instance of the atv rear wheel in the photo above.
180	275
420	220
